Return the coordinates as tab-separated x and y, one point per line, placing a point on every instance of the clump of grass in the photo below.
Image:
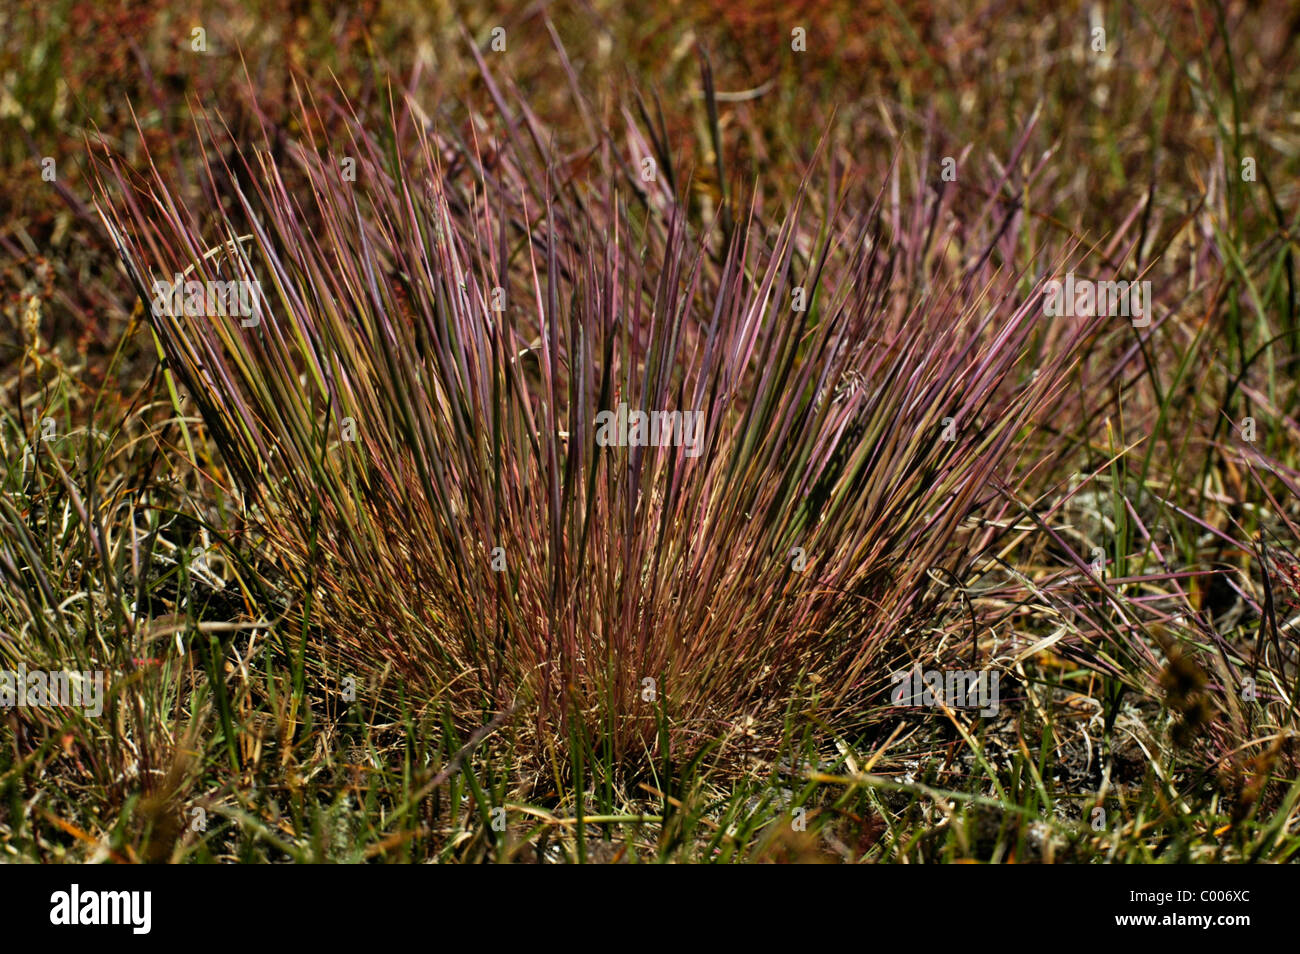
415	417
236	566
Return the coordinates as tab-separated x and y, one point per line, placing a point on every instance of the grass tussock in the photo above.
367	579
